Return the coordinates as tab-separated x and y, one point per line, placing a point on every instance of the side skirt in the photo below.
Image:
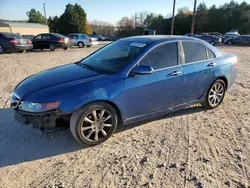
164	111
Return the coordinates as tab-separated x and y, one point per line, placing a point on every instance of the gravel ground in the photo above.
190	148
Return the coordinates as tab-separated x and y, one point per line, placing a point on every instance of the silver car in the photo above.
81	40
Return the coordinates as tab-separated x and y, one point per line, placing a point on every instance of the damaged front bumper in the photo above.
44	120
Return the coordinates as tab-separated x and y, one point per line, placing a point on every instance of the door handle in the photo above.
175	73
211	64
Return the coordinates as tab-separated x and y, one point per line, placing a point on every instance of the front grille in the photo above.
14	101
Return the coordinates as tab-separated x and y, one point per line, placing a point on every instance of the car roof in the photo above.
148	39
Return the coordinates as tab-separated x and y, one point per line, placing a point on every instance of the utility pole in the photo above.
44	9
172	24
193	20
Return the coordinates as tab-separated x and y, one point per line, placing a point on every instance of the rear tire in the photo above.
94	123
80	44
66	48
215	94
1	49
52	47
89	46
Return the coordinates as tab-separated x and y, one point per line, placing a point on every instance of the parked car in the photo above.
213	34
98	37
213	40
242	40
127	81
225	37
12	42
51	41
80	40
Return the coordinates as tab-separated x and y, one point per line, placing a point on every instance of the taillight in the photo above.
61	40
29	42
14	42
91	40
236	64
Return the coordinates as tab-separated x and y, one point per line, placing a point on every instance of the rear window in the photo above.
58	35
194	52
11	35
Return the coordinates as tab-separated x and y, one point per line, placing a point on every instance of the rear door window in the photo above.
46	37
163	56
194	51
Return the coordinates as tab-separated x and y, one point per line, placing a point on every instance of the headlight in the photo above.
38	107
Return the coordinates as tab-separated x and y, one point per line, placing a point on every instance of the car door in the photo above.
237	40
159	90
74	39
46	41
37	42
199	70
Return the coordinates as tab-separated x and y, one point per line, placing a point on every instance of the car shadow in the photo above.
21	143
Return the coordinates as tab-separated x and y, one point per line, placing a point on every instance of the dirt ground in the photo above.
190	148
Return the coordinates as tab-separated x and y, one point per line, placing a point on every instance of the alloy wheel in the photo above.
216	94
96	125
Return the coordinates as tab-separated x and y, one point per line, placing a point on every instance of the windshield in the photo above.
11	35
113	57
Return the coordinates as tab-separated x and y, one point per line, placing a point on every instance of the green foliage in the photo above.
73	20
35	17
214	19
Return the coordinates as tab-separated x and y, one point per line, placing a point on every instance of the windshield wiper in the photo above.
88	67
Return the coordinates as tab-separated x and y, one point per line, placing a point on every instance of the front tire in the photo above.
80	44
94	123
215	94
66	48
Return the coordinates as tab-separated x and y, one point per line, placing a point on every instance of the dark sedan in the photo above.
213	40
11	42
242	40
51	41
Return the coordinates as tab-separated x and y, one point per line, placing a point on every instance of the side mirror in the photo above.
143	70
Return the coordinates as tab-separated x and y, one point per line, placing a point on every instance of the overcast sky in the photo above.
106	10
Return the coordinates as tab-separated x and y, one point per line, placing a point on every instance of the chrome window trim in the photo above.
178	59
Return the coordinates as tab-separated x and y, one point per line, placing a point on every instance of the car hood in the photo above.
53	77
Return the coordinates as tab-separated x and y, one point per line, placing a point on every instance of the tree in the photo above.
35	17
89	30
53	24
126	27
73	20
201	17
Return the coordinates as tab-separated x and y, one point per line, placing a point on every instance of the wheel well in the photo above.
113	105
224	79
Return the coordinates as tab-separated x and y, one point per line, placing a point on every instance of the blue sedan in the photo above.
127	81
